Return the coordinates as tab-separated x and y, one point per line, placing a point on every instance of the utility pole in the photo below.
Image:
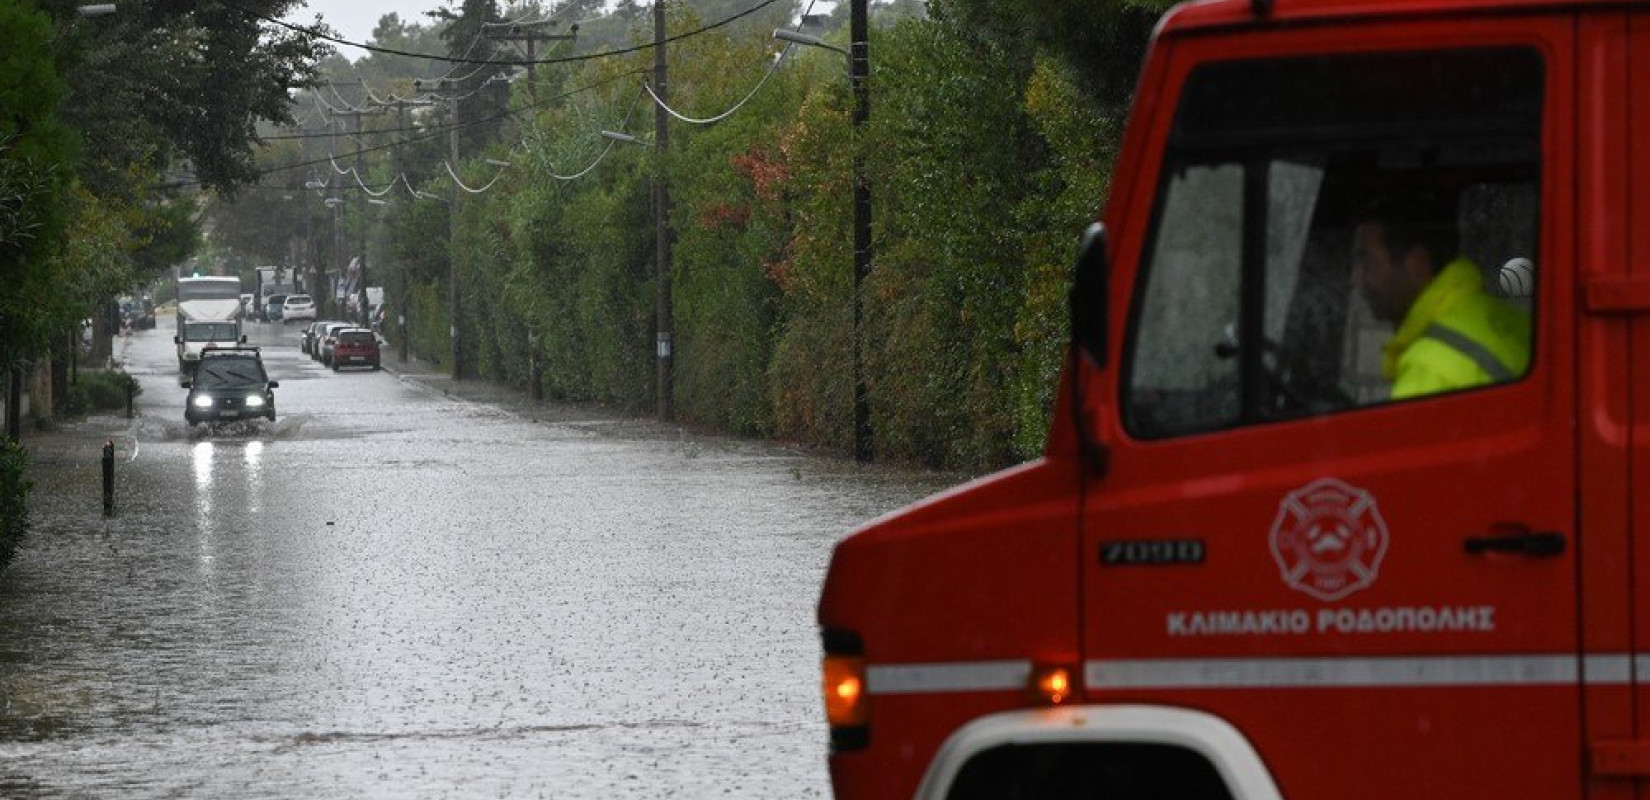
361	212
321	291
452	249
401	107
452	226
859	71
661	213
525	34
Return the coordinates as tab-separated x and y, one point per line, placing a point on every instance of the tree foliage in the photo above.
992	130
106	124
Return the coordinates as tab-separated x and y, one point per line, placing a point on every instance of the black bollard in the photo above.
131	389
109	478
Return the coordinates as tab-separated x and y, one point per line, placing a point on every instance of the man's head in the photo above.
1398	243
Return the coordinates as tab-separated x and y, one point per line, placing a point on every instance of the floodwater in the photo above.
400	590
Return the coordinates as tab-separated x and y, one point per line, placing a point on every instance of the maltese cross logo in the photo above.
1329	539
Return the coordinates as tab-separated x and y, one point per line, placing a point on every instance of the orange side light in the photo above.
844	688
1051	684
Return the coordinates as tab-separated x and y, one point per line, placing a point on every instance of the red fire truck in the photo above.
1243	569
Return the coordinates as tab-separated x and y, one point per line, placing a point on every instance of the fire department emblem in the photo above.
1329	539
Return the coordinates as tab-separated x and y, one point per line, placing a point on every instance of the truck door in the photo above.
1616	385
1374	582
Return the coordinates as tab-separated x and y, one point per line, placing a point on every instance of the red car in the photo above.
355	347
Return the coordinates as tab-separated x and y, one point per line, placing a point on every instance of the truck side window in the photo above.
1269	289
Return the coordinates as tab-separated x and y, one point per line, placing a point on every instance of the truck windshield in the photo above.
1249	308
209	332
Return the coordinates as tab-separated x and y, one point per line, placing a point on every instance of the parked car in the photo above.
249	305
355	347
310	341
229	384
272	307
143	314
297	307
321	350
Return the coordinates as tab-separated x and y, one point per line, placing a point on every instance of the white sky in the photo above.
355	19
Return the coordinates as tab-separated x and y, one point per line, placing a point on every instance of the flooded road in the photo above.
396	592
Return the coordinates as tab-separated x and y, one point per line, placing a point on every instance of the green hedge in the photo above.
986	156
14	498
100	390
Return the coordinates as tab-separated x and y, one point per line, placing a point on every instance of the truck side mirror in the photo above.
177	340
1088	335
1089	303
185	383
243	338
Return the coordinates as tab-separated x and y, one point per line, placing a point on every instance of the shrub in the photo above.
14	498
100	390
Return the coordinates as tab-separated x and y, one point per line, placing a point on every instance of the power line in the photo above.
517	62
444	128
773	67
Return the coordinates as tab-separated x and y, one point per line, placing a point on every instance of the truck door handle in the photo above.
1517	540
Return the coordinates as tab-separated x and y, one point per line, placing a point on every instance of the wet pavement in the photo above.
411	587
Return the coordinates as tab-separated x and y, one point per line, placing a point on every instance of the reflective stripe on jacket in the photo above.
1455	336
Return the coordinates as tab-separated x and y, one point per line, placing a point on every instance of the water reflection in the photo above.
202	452
253	459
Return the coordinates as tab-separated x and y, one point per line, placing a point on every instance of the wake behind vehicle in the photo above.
229	385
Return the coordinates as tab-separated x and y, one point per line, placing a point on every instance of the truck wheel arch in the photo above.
1231	755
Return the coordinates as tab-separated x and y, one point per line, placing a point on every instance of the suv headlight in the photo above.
254	400
202	401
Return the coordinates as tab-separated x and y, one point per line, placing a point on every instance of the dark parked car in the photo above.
272	307
143	314
355	347
229	384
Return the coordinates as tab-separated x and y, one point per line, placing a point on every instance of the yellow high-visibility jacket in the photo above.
1455	337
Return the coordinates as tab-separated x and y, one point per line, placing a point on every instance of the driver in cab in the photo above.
1449	334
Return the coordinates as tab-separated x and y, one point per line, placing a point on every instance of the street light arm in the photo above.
793	37
624	137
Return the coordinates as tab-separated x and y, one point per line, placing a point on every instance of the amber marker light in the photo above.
844	687
1051	684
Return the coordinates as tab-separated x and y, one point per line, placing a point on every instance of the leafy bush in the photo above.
14	497
101	390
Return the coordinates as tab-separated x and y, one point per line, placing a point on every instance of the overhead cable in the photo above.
736	106
459	182
501	62
586	171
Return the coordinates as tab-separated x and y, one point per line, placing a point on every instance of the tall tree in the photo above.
182	84
35	167
482	91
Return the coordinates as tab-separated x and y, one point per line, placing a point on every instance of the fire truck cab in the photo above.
1243	568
